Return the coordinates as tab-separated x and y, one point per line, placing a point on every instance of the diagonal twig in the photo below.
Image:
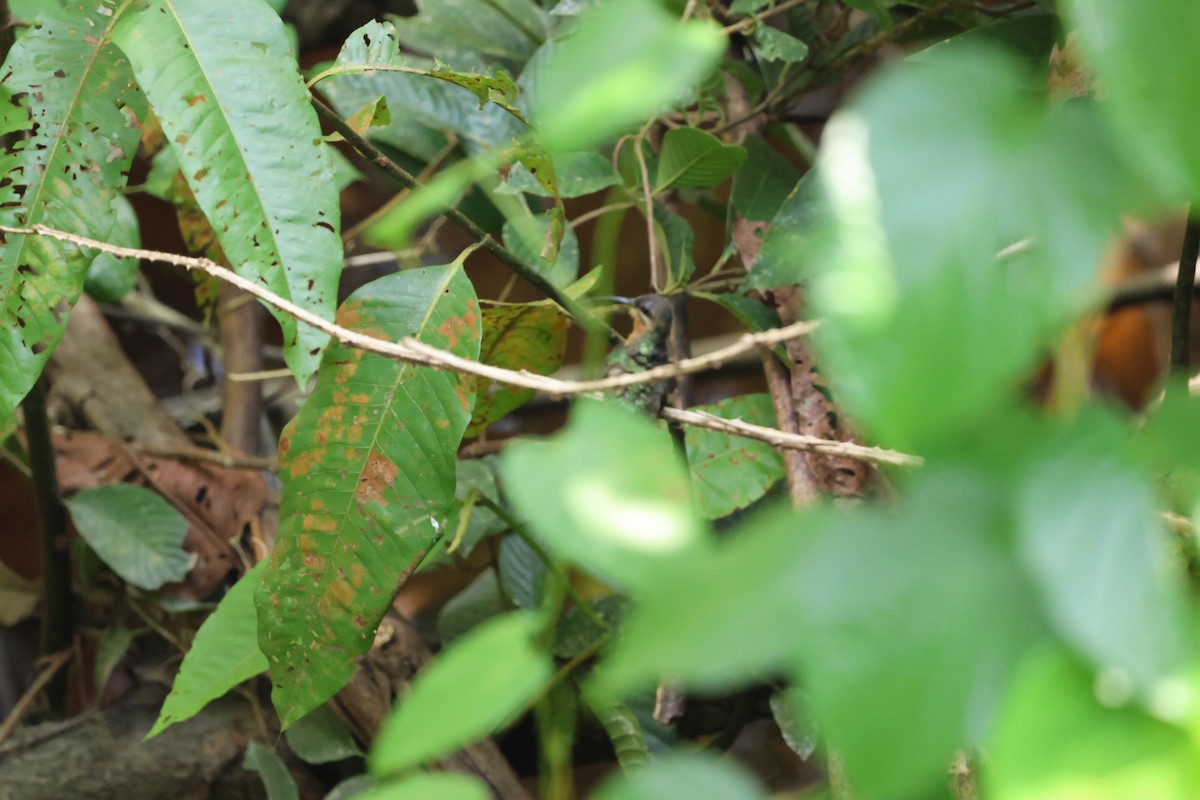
413	351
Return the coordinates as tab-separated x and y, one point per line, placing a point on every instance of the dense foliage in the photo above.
1015	602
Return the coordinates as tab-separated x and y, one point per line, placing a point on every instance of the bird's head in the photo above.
652	315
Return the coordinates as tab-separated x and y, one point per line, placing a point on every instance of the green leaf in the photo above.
110	278
429	785
467	610
1091	535
691	775
522	572
750	312
748	6
224	86
763	183
623	62
422	108
678	239
529	336
275	777
691	157
469	33
914	287
776	45
577	632
1138	52
608	493
68	118
579	174
1055	740
320	737
368	470
113	646
625	733
454	702
529	236
792	711
730	472
134	531
224	653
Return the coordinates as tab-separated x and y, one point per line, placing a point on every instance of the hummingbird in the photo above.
645	347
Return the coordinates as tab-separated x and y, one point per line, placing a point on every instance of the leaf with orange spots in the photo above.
368	470
531	336
731	472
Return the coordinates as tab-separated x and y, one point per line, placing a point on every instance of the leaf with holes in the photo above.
368	471
691	157
67	116
422	109
530	336
224	86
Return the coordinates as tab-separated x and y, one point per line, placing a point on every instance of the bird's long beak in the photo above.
614	298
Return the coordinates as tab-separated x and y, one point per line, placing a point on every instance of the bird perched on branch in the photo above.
644	348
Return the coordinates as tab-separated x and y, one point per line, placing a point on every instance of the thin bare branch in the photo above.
413	351
416	352
792	441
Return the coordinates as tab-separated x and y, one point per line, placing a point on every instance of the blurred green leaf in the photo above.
763	183
134	531
577	632
621	63
480	601
691	157
923	604
429	786
792	711
1030	36
730	472
368	471
905	265
1055	740
110	278
1091	536
777	45
522	572
275	777
224	653
320	737
691	775
1136	51
607	493
716	620
455	702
